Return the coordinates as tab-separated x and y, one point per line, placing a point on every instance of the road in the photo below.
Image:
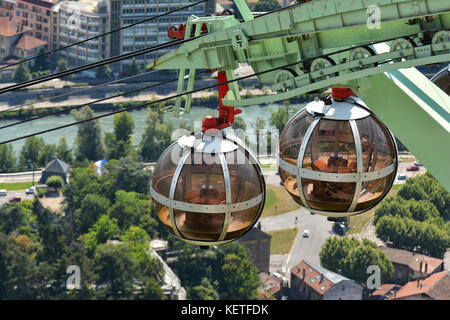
11	194
20	177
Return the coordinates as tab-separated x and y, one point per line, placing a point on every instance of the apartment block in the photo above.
35	14
77	21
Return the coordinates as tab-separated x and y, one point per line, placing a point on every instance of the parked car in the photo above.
30	190
15	199
339	228
413	168
402	177
306	233
418	163
3	192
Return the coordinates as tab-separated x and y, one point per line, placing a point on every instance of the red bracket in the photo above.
226	114
342	93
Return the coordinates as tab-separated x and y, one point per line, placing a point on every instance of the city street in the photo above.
11	194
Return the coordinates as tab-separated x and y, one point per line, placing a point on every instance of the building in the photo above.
435	287
258	244
273	286
410	266
151	33
16	42
76	21
7	8
35	14
55	168
385	292
309	282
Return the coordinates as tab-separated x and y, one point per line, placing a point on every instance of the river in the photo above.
249	114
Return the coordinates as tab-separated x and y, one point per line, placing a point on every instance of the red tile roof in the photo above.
319	279
9	27
412	259
27	42
436	286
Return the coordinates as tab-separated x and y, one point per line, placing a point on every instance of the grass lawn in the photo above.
16	186
282	240
358	222
278	201
268	167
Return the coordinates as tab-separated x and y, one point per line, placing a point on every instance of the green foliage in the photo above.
11	217
118	144
31	150
105	228
63	65
227	269
426	187
134	68
351	257
93	206
204	291
103	72
22	73
89	142
239	123
47	154
416	217
156	137
409	234
279	118
129	208
63	151
7	158
55	182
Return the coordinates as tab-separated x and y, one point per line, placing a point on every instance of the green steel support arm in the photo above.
416	111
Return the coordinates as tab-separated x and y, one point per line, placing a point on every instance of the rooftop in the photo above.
436	286
411	259
28	42
43	3
9	28
318	278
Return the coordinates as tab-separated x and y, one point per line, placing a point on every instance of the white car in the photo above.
30	190
3	192
306	233
418	163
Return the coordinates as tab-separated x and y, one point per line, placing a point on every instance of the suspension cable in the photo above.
96	64
101	35
78	91
147	103
64	110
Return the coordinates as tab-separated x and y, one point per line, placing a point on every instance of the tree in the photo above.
134	68
63	65
351	257
22	73
103	229
29	154
358	259
16	271
240	279
426	187
156	137
89	142
239	123
55	182
279	118
7	158
119	143
41	62
103	72
204	291
266	5
131	176
116	269
63	151
11	217
93	206
334	250
128	209
47	154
